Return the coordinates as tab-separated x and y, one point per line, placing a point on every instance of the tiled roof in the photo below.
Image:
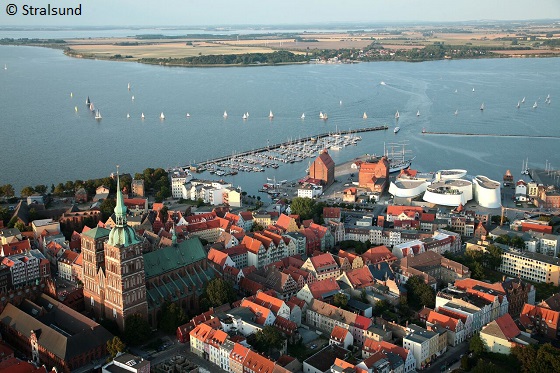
251	244
257	363
339	333
508	326
284	221
529	312
17	247
239	352
172	257
284	325
326	286
202	332
96	232
274	302
331	212
378	254
360	277
246	215
372	345
250	286
323	260
218	257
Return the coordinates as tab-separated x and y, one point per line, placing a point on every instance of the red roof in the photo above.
508	326
360	277
251	244
284	221
239	353
529	312
318	288
371	345
17	247
257	363
397	210
378	254
218	257
339	333
323	260
331	212
250	286
246	215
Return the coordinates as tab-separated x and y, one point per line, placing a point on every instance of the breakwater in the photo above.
490	135
197	166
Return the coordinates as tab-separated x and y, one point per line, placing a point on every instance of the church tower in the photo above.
125	292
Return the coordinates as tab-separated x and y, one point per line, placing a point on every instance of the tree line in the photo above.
231	59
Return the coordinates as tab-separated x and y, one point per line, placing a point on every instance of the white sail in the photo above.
244	116
142	116
76	109
97	114
365	115
161	116
321	115
518	104
225	114
456	111
397	115
188	115
129	86
535	105
482	106
128	116
303	116
71	94
132	98
418	113
91	107
270	115
247	114
523	101
473	89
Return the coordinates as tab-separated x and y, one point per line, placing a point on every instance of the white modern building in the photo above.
178	179
449	192
310	191
487	192
408	188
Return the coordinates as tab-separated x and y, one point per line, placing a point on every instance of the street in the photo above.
449	358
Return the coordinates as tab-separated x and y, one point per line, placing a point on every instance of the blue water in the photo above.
45	141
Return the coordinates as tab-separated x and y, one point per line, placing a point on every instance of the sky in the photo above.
278	12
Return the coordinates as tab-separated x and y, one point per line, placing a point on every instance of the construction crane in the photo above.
510	209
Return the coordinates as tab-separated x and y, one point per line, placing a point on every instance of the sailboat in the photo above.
97	114
128	116
71	95
455	91
456	111
303	116
5	67
129	86
76	109
473	89
535	105
142	116
482	107
132	98
518	104
88	101
247	113
244	116
365	115
340	102
523	101
325	116
397	115
270	115
397	129
225	114
418	113
161	116
188	115
321	115
91	107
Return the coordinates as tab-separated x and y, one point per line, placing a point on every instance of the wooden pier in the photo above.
285	143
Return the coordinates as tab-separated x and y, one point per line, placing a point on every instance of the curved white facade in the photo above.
408	188
452	192
487	192
451	174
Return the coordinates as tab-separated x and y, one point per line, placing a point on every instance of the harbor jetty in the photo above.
290	151
490	135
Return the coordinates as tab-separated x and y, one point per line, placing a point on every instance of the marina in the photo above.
271	156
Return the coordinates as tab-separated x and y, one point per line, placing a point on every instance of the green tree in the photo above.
115	345
493	257
107	208
69	186
476	345
218	291
5	215
485	366
304	207
136	330
419	294
172	316
41	189
27	191
268	339
59	190
340	300
7	190
19	226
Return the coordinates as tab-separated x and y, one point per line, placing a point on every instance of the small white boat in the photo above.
247	114
5	67
535	105
383	83
365	115
418	113
397	129
98	115
88	101
321	115
91	107
270	115
455	91
456	111
188	115
397	115
482	107
127	116
340	102
76	109
523	101
244	116
132	98
225	114
548	97
473	89
303	116
142	116
129	86
518	104
71	95
325	116
161	116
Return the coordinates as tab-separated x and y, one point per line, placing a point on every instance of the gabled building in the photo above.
502	334
322	266
341	337
540	320
323	168
371	347
322	290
